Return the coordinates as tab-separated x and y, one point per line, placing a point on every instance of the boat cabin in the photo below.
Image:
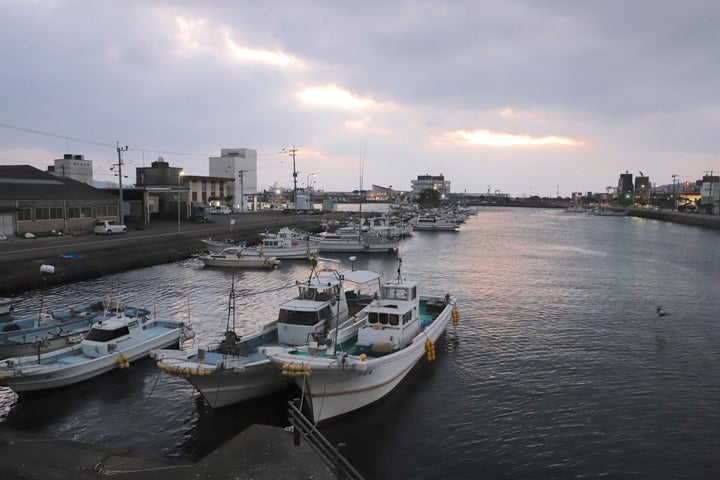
392	322
103	337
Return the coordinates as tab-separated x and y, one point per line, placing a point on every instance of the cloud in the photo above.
496	139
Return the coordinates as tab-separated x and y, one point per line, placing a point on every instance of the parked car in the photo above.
221	210
108	227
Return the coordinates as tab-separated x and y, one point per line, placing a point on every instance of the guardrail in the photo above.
304	428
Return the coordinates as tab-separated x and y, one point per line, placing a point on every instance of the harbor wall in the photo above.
85	257
694	219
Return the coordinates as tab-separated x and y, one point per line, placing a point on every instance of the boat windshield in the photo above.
293	317
101	335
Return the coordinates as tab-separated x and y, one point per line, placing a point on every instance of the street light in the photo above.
180	175
307	181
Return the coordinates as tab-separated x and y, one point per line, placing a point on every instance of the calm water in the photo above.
560	367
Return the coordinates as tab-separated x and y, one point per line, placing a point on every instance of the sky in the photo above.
519	97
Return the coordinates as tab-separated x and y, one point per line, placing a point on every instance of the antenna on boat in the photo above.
231	305
352	262
49	270
399	279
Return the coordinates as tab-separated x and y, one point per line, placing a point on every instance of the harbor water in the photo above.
560	366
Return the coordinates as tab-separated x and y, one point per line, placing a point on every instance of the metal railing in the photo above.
304	428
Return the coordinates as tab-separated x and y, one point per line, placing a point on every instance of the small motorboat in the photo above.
235	258
110	344
53	330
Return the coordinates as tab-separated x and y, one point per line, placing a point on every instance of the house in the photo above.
37	202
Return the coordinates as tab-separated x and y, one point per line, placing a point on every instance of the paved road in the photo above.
97	255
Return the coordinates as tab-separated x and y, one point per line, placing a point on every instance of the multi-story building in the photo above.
434	182
625	185
73	166
710	194
241	165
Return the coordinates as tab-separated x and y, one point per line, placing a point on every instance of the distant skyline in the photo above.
523	97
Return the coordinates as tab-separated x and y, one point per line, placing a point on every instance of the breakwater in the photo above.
694	219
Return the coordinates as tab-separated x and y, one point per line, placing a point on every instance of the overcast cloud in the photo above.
521	97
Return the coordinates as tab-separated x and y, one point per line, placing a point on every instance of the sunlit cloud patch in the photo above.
497	139
333	96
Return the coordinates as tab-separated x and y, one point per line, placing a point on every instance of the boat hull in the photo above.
229	386
66	367
337	388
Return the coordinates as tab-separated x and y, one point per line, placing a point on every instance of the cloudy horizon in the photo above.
520	97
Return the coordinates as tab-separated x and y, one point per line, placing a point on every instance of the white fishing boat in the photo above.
110	344
236	369
214	246
397	331
53	330
436	223
285	244
356	242
235	258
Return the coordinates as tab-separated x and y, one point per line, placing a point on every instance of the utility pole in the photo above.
292	153
121	217
242	194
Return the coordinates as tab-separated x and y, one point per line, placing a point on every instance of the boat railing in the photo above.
304	428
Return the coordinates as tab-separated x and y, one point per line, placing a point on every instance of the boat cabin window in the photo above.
394	319
372	317
293	317
100	335
394	293
407	317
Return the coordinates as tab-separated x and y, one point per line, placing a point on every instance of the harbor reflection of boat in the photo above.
237	370
397	330
53	330
111	343
235	257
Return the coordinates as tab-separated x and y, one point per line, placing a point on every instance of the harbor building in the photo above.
434	182
37	202
73	166
241	165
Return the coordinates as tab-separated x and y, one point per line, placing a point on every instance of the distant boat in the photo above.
434	222
235	258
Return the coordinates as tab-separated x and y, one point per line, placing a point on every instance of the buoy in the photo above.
455	316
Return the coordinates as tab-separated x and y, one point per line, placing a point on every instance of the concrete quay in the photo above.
258	453
694	219
82	257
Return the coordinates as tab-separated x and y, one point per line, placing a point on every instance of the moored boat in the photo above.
53	330
110	344
235	258
6	307
236	369
397	331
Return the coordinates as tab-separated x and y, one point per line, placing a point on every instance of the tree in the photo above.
429	198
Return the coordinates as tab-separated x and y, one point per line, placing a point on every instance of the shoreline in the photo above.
91	256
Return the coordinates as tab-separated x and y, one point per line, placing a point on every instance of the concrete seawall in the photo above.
91	256
694	219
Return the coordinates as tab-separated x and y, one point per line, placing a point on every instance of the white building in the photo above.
73	166
434	182
240	163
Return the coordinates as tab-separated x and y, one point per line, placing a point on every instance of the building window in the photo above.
25	215
80	212
48	213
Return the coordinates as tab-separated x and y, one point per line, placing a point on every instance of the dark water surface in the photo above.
560	367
